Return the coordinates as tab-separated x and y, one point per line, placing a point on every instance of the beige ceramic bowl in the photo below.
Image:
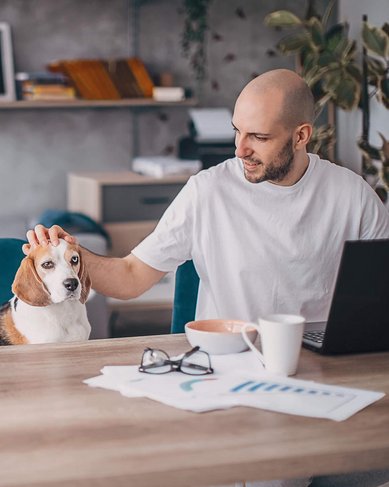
218	336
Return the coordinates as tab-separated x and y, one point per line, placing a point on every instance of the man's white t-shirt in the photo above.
264	248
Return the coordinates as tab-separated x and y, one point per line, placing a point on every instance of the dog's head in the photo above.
52	275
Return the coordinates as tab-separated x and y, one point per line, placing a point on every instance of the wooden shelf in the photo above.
127	103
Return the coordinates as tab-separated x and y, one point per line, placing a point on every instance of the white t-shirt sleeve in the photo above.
375	217
170	244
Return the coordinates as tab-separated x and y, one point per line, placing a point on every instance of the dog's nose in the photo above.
71	284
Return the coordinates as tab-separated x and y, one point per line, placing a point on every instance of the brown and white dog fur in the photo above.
50	289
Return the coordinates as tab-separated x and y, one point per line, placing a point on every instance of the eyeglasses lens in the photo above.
196	364
156	361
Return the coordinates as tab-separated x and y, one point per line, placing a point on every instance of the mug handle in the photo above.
249	343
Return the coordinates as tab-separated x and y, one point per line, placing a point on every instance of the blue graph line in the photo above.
242	386
252	386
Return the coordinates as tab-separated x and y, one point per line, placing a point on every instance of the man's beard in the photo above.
278	169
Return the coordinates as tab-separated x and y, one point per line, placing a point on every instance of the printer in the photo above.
211	139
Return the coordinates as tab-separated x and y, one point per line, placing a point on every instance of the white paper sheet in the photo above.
239	380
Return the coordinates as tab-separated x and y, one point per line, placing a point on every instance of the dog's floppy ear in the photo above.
28	286
84	279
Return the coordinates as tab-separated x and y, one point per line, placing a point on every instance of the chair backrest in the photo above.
185	296
10	257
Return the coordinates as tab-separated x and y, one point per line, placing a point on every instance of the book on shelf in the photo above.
35	85
42	77
49	92
107	79
141	75
95	79
90	78
123	78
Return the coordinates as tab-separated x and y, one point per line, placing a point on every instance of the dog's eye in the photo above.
49	264
74	260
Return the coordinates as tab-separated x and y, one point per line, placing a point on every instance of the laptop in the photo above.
358	320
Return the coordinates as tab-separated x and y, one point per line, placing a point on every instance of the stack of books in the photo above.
97	79
44	86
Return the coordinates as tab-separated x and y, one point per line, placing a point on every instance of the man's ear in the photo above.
84	279
303	135
28	286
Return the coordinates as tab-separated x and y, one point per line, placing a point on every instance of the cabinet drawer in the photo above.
141	202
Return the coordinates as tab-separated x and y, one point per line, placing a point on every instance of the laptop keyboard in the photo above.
314	336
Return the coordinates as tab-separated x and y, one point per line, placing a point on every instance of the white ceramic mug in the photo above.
281	339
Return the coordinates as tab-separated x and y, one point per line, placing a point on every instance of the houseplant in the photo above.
193	40
375	62
327	59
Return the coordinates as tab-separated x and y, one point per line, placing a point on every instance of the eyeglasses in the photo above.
194	362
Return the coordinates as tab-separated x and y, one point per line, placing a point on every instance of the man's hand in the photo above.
43	236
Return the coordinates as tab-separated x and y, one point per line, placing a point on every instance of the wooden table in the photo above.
56	431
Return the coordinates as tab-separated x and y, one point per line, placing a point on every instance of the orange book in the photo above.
123	78
90	78
141	75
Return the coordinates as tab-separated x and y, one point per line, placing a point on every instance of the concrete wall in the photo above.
39	147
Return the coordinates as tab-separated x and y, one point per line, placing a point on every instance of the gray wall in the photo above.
39	147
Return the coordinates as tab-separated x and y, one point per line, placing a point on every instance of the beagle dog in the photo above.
50	289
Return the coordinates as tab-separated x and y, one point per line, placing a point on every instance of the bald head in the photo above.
293	99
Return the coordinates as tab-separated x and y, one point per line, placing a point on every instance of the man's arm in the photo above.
121	278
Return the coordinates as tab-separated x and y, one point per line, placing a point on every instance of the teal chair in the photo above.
10	257
185	296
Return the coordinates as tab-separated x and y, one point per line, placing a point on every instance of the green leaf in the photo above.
384	91
325	58
323	137
334	35
385	149
370	170
294	42
314	75
349	52
370	151
282	18
375	39
376	67
316	29
327	12
355	71
348	94
321	102
310	61
341	48
385	86
345	90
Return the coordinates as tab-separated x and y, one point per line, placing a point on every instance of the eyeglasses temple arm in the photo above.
191	352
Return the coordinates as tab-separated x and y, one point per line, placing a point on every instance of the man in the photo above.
265	230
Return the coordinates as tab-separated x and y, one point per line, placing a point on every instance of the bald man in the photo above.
265	229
